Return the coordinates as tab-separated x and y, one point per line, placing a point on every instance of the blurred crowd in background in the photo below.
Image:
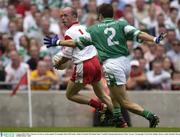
24	23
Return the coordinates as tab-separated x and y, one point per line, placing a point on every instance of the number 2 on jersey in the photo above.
110	40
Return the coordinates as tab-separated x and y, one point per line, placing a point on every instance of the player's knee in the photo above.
69	96
126	104
102	97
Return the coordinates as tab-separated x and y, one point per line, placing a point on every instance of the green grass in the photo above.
89	129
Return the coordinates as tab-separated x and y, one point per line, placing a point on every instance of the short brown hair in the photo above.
106	10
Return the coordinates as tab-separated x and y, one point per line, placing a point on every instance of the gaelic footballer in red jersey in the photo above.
87	69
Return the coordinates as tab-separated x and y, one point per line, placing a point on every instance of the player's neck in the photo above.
107	19
74	23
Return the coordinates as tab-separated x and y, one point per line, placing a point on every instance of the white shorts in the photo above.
116	70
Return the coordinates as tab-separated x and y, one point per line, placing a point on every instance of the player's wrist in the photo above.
58	42
155	40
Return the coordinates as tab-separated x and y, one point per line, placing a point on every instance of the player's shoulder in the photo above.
74	28
93	27
70	30
122	21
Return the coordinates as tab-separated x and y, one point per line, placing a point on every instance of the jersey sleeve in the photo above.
130	32
84	41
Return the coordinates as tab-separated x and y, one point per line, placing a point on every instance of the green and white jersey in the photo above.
109	37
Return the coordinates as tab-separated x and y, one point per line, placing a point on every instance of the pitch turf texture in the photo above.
89	129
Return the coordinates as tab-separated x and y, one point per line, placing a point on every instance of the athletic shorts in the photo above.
116	70
87	72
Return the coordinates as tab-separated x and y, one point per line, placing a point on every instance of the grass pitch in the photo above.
89	129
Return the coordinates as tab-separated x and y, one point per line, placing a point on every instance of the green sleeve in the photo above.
130	32
84	41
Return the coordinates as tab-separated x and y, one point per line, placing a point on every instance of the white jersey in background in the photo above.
76	54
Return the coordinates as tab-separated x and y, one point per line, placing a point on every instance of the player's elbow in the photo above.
141	35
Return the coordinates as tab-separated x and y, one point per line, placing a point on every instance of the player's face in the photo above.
67	17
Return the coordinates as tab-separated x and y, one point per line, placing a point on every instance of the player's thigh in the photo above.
120	94
98	89
73	88
116	70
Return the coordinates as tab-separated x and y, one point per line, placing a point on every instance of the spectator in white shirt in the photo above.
4	24
140	10
158	78
151	53
29	24
14	33
16	69
171	36
151	21
174	54
171	22
160	23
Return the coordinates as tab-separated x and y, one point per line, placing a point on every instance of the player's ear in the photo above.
75	16
100	17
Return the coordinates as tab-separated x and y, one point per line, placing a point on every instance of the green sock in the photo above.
116	111
147	114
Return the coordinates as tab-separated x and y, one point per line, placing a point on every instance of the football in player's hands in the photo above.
55	62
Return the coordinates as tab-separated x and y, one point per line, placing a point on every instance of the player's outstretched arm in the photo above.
146	37
53	41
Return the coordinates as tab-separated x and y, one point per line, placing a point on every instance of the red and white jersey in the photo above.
77	55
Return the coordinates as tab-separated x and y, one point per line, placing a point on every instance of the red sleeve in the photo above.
66	37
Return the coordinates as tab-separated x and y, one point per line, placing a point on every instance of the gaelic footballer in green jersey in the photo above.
109	37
